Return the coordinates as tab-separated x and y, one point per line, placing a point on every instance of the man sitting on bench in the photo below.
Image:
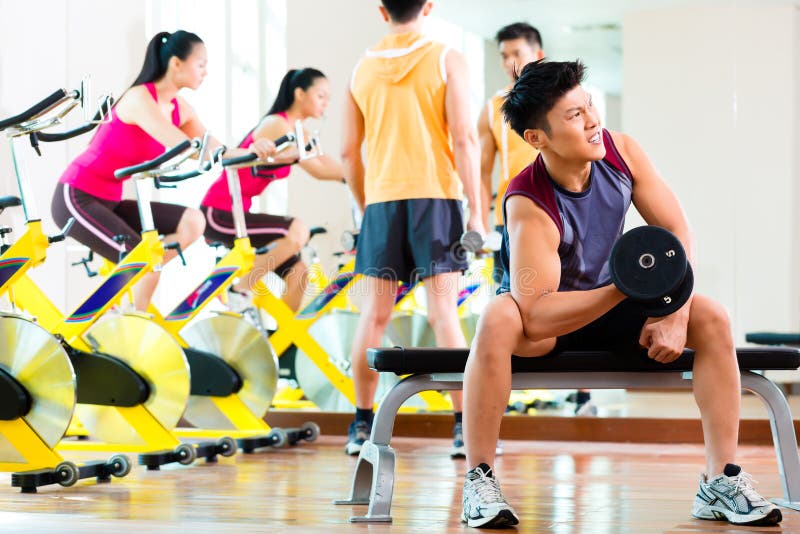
563	214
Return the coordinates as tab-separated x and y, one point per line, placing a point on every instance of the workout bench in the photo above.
443	369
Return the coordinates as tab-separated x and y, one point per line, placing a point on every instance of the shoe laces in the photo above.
487	488
744	485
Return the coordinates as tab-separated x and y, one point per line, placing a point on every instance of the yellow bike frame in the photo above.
236	263
294	329
136	264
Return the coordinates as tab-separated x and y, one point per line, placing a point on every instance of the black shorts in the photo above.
98	221
619	330
262	228
411	239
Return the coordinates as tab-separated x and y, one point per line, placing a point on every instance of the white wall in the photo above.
317	38
49	44
712	95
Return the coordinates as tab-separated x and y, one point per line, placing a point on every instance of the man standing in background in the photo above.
409	101
519	44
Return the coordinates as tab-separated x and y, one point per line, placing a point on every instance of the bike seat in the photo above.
9	202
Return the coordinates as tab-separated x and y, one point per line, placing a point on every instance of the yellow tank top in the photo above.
399	86
515	154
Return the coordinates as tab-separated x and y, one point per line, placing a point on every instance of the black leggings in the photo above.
262	229
98	221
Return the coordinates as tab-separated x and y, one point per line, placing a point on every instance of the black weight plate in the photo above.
667	257
677	298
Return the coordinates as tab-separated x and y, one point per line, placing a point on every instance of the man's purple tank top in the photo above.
588	222
114	146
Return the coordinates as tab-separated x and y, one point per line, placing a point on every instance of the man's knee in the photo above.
500	324
710	321
377	316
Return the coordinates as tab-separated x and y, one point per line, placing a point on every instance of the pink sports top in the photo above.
253	181
115	145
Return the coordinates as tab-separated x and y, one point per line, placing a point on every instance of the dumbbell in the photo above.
349	240
649	265
472	241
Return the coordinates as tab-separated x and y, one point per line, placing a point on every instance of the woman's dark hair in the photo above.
537	89
160	49
302	78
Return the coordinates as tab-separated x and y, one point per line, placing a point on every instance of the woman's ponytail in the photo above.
160	50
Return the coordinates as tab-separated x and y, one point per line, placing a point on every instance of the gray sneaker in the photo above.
730	497
357	434
484	504
458	442
458	450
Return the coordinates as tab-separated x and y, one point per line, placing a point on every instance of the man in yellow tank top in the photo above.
408	100
519	44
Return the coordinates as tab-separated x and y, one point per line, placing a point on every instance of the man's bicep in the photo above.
488	147
535	268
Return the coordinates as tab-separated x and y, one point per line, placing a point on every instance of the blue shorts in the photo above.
412	239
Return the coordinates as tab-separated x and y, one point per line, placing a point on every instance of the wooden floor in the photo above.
560	487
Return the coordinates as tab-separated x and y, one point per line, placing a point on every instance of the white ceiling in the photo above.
590	30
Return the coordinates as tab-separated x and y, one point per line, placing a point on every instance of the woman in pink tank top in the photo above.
149	117
303	93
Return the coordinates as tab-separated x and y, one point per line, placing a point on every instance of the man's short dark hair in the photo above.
537	89
402	11
519	30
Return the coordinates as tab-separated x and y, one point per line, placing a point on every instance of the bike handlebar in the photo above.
34	110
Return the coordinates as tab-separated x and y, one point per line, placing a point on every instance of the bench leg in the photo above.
362	478
373	479
780	420
377	489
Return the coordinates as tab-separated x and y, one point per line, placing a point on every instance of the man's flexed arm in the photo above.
536	273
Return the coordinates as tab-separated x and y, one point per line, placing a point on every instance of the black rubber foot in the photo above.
249	445
207	449
29	481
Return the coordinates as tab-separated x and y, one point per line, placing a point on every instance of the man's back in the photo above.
400	89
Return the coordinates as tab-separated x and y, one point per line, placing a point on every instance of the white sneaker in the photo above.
587	409
239	301
730	497
484	504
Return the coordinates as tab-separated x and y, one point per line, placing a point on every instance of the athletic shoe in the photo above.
587	409
730	497
458	450
239	301
357	434
458	442
484	504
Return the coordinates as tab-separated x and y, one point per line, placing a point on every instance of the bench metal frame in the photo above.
373	479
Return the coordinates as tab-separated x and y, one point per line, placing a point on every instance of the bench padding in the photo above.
773	338
403	361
